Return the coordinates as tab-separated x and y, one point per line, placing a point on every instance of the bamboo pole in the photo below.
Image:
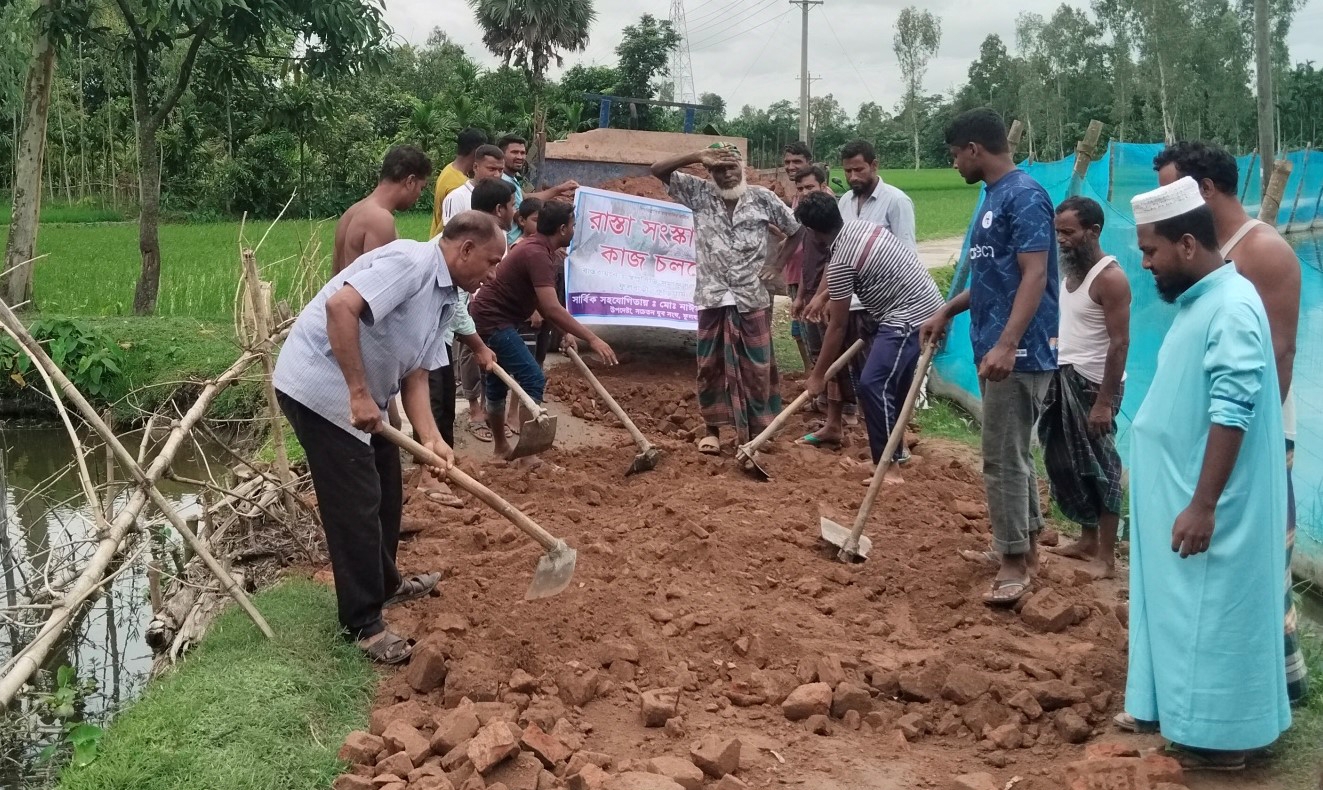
1272	198
1300	187
16	671
1085	152
262	320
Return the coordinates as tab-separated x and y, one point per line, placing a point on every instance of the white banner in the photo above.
632	261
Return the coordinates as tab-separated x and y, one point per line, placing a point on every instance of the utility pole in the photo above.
805	5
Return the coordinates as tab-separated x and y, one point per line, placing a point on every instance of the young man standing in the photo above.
796	158
488	162
455	174
374	330
891	282
526	281
1264	258
515	149
1078	426
370	222
1012	300
1208	503
737	379
871	199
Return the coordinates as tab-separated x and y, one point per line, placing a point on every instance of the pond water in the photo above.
46	524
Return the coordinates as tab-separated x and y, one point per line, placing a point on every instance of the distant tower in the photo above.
682	66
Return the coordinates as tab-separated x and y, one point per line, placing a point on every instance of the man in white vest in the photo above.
1078	426
1264	258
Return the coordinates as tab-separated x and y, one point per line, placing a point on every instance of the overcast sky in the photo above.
748	50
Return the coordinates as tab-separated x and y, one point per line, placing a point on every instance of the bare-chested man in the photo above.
1264	258
370	223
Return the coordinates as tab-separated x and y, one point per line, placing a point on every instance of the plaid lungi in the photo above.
1297	673
737	379
1084	470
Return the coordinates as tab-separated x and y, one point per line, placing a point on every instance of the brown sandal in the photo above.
390	649
414	587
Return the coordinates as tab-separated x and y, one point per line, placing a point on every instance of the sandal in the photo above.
1206	760
988	557
709	445
812	440
414	587
390	649
1007	592
480	431
1124	721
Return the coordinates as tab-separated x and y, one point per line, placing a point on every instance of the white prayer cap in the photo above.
1173	200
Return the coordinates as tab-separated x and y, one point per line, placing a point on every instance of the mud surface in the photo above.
703	584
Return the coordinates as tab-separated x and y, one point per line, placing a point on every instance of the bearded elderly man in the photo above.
737	378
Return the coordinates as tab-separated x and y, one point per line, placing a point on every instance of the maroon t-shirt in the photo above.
509	297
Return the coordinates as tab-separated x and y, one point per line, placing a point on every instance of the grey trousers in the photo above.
1011	408
470	375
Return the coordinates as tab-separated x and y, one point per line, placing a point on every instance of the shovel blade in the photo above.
536	436
553	574
748	461
645	461
839	536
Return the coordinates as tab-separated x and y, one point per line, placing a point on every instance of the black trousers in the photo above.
359	496
441	383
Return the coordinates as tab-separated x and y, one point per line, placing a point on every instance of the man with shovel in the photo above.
890	281
737	378
526	281
375	329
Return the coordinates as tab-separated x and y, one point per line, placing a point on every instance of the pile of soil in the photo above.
704	610
649	187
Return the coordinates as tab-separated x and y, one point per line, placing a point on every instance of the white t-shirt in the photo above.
458	201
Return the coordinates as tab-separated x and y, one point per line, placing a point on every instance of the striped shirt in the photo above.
892	284
410	304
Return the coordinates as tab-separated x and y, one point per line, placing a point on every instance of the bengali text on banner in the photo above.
631	262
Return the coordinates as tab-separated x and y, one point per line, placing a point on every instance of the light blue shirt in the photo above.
512	235
1206	650
410	306
886	206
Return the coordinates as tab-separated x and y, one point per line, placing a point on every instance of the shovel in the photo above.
554	569
853	546
648	455
745	453
539	432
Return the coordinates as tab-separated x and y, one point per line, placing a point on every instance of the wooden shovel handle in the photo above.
489	497
638	436
533	407
897	435
797	403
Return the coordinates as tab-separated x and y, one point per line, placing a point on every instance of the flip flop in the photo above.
811	440
998	597
1191	760
709	445
1124	721
414	587
988	557
480	431
390	649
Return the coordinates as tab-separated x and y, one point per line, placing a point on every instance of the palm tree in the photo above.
530	34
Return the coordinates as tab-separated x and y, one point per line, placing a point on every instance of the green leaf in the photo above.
85	754
45	755
65	676
85	733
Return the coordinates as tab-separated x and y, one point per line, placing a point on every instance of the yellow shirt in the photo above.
447	181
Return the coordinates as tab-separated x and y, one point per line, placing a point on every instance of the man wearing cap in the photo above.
1208	503
737	378
1267	260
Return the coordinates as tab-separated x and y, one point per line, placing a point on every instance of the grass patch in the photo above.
91	270
166	351
266	454
1296	756
244	712
61	211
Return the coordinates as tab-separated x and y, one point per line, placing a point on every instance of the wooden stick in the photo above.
275	420
1300	187
16	671
1272	199
1085	151
1014	135
110	470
